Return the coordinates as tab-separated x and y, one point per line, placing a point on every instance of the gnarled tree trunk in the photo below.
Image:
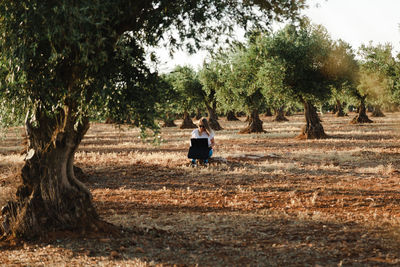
280	115
339	109
230	116
313	128
187	122
362	116
213	118
255	124
268	113
50	197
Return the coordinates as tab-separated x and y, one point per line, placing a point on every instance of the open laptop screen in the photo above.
199	148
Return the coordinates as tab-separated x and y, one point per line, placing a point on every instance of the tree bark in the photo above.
280	115
230	116
213	118
268	113
255	124
187	122
362	116
339	109
313	128
168	121
50	197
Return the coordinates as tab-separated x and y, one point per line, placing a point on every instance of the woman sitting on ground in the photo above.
204	131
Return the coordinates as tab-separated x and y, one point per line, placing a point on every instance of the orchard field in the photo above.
266	200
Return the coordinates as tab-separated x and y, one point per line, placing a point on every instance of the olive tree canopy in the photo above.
305	64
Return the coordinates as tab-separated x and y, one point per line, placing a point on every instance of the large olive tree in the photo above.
61	57
303	64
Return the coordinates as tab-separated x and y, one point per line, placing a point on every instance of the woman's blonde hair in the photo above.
203	121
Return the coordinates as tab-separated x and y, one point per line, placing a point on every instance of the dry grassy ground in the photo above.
276	201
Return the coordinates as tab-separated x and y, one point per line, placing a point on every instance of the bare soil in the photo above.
267	199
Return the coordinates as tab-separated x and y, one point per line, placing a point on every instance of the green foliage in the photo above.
293	64
296	63
396	81
185	83
131	91
379	76
342	66
209	77
12	107
282	68
345	74
237	70
215	77
168	104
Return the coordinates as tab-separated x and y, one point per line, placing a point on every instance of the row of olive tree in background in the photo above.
291	66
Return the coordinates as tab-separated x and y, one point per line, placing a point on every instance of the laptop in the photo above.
199	148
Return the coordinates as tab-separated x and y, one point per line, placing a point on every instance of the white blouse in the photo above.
196	134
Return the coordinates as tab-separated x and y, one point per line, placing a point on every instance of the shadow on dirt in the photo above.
239	239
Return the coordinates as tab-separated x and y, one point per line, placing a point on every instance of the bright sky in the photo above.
354	21
359	21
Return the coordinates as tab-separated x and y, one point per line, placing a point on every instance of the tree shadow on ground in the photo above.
220	239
